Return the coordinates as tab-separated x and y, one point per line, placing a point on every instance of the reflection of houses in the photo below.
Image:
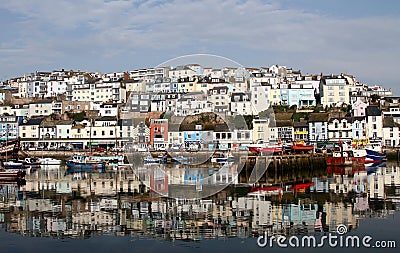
339	213
300	213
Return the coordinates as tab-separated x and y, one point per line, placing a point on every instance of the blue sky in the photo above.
359	37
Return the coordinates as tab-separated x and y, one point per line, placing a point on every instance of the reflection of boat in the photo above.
10	148
301	147
262	146
16	176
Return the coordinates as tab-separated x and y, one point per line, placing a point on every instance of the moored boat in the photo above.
262	146
301	147
73	167
49	161
151	160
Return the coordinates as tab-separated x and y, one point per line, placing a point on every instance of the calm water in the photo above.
111	212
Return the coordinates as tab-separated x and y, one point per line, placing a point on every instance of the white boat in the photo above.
151	160
49	161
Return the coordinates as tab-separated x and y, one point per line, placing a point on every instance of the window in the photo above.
111	132
103	133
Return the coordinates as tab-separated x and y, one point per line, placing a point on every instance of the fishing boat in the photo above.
301	147
262	146
81	163
374	156
74	167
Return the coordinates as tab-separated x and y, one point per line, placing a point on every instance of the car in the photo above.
64	148
100	149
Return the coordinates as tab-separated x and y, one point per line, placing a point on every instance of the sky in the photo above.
357	37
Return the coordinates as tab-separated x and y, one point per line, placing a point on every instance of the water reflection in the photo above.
52	203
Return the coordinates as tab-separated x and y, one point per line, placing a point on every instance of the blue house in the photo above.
193	138
8	127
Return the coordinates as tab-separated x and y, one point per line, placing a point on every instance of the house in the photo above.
260	98
241	104
29	131
391	132
318	127
8	127
41	108
300	130
220	98
159	133
340	129
334	90
108	109
374	122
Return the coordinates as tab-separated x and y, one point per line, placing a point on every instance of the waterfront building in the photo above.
300	213
8	127
29	131
374	122
391	132
159	133
261	130
318	126
340	129
300	130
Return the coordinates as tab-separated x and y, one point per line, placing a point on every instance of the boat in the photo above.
151	160
262	146
301	147
223	159
75	167
83	163
13	165
31	162
374	156
49	161
115	160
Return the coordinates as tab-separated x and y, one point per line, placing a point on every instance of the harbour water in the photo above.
54	211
